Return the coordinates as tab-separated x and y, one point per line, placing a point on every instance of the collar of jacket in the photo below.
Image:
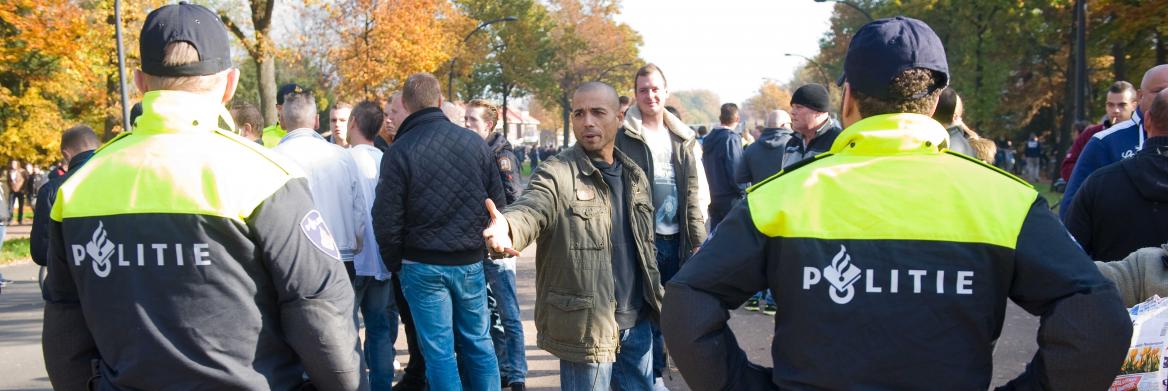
584	162
890	134
497	142
79	159
775	130
419	117
180	111
633	124
302	132
1157	145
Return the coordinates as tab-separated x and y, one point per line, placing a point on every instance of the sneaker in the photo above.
518	386
751	305
770	310
659	384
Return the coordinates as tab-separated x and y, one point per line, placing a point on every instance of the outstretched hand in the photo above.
498	232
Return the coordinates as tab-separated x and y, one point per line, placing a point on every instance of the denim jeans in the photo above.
668	262
449	305
372	300
631	371
509	345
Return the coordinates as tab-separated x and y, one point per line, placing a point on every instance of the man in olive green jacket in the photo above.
597	285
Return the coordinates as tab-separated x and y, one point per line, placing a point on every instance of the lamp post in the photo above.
850	4
126	125
818	67
450	77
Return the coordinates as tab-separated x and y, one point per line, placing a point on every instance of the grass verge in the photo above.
14	250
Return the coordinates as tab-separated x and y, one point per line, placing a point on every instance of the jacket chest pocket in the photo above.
589	226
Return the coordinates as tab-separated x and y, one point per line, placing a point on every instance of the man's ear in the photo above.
232	83
140	80
849	109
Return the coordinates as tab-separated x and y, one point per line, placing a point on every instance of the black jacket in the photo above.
429	203
721	152
39	237
764	157
1124	206
508	163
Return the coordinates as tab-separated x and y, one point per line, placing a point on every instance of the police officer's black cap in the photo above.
190	23
288	89
884	48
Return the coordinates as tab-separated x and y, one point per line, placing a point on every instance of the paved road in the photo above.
22	368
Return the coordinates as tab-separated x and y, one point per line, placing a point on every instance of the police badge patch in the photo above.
317	232
504	164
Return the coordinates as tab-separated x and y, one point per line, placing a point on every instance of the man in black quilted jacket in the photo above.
428	217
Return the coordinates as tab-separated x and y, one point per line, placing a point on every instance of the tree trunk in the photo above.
1161	48
266	69
566	109
1119	62
506	92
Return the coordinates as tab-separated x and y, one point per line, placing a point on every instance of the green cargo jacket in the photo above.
566	211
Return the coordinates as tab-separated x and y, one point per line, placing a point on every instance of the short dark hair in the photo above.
624	100
79	138
1120	87
908	92
421	91
368	118
1158	113
946	107
247	113
729	113
649	69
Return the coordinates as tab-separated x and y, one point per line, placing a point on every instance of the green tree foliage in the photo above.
1011	61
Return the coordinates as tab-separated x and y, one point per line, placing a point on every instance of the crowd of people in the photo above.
186	255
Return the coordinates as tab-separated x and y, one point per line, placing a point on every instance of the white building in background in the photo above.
522	128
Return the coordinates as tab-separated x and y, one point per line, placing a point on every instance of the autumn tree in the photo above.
259	45
380	43
697	106
589	46
518	49
770	96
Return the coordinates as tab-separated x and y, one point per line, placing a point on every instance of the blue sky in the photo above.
726	46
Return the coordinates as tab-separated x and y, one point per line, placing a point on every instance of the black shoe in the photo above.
408	383
518	386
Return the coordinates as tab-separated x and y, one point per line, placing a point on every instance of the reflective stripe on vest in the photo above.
887	178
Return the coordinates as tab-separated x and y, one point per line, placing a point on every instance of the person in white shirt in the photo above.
373	286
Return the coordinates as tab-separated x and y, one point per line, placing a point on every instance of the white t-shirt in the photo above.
664	183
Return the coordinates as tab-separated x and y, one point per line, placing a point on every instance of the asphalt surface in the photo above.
22	366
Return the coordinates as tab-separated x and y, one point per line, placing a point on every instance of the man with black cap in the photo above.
813	126
273	134
170	267
886	277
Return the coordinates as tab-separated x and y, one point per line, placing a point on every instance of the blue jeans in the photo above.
449	306
668	262
372	299
631	371
509	345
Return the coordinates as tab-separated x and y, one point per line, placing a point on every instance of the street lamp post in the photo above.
126	125
855	6
818	67
450	77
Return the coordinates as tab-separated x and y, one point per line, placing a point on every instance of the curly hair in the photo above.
913	91
490	111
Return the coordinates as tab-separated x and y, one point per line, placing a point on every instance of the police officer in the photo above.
171	267
272	135
891	258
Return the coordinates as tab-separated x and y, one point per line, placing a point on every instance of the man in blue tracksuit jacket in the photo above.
1119	142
